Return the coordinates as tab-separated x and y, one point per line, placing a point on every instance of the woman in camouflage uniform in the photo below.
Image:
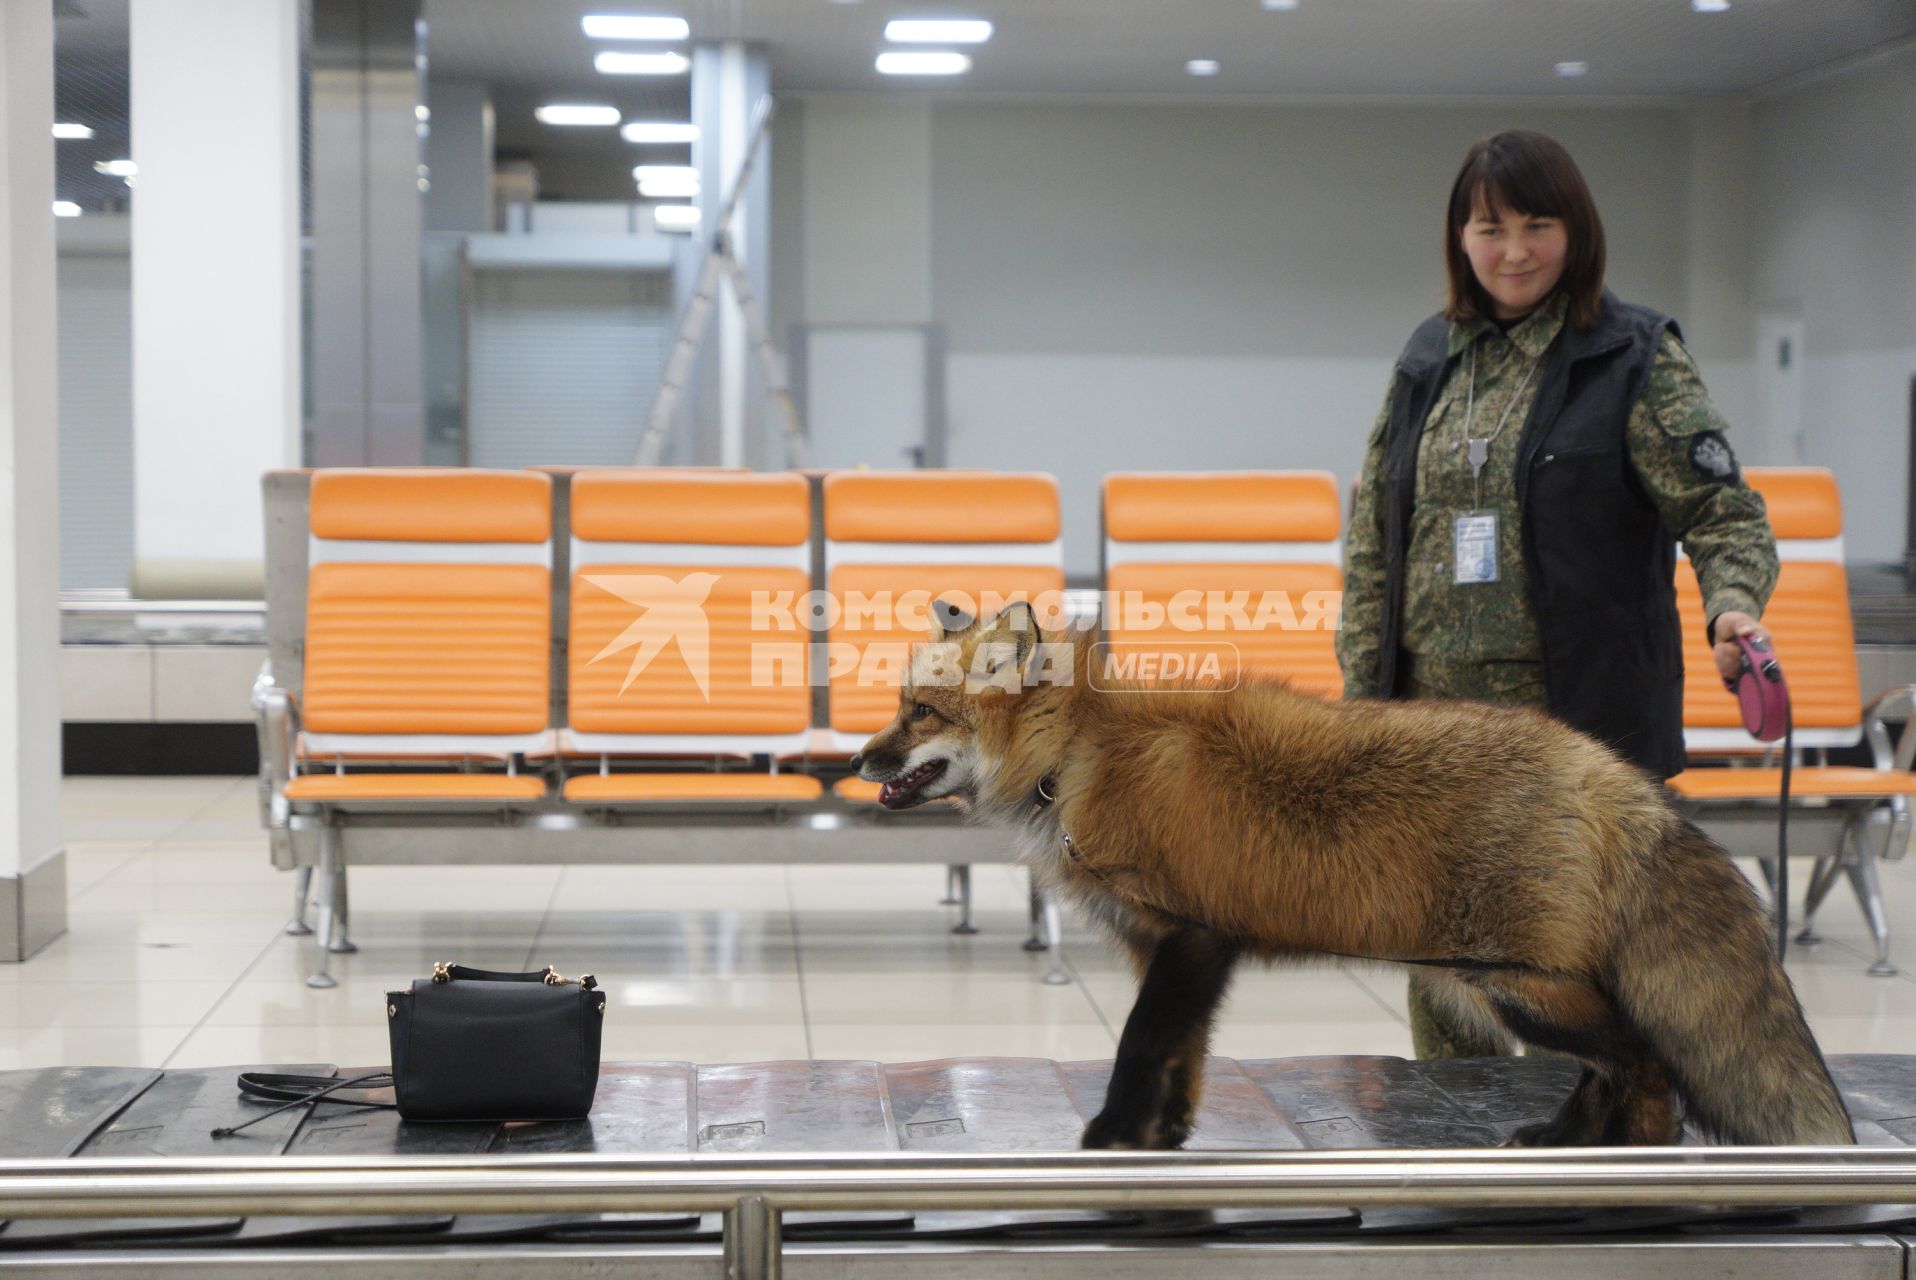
1542	448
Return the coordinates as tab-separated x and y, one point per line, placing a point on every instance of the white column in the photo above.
734	128
728	406
215	114
32	870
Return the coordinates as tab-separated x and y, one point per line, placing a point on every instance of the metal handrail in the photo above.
754	1192
94	1187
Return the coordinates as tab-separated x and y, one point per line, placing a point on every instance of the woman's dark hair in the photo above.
1529	173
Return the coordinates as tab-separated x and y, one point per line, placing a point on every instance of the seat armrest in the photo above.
1895	703
276	717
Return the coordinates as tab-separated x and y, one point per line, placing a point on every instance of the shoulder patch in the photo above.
1711	458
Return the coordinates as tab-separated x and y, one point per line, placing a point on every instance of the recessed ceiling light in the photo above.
676	217
65	209
1202	66
630	26
937	31
613	63
1570	70
1709	6
667	181
897	63
116	168
71	131
1280	4
576	113
659	131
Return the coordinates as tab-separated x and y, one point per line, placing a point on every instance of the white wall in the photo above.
1835	241
1177	286
1168	286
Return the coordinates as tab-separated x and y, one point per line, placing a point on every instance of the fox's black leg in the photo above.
1160	1067
1623	1096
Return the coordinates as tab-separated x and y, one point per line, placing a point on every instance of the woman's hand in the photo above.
1729	655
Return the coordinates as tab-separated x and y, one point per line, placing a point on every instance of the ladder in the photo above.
720	258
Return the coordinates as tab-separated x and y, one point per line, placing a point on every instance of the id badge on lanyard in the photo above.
1474	547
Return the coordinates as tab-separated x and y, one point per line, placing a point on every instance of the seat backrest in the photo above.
686	593
1238	570
896	540
427	611
1808	614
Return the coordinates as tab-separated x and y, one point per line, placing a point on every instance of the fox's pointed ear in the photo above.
1016	626
947	619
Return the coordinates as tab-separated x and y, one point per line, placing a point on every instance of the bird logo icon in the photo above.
670	610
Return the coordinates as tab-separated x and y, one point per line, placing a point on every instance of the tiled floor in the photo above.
174	955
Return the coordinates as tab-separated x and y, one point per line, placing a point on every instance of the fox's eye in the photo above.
919	711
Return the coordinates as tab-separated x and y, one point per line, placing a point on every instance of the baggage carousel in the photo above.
1322	1166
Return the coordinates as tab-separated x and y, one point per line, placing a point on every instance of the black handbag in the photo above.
469	1044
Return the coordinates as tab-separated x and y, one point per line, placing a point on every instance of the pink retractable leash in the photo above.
1764	699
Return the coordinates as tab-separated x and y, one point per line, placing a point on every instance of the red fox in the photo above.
1548	886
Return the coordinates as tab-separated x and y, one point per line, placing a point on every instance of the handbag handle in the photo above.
293	1091
444	972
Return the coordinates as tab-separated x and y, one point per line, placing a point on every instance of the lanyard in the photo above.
1479	447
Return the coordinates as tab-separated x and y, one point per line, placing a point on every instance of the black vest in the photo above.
1600	564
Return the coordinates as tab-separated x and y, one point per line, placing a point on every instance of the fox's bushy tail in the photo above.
1695	975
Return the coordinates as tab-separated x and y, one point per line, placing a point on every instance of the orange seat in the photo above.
1222	576
1826	782
684	610
428	615
587	787
1808	614
414	786
896	541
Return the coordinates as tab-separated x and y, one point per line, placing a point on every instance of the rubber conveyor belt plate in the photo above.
956	1105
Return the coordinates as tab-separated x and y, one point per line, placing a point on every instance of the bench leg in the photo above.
328	886
1054	942
951	887
302	888
341	945
1822	880
1869	895
1036	942
964	924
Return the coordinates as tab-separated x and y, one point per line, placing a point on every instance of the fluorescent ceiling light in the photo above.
613	63
937	31
1283	5
895	63
630	26
1571	70
65	209
576	113
659	131
71	131
667	181
116	168
1709	6
1202	66
676	217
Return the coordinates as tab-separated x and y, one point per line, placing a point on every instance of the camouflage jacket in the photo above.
1480	639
